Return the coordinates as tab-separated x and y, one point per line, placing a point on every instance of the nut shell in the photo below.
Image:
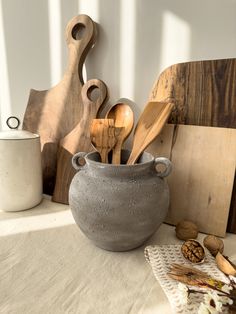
213	244
193	251
186	229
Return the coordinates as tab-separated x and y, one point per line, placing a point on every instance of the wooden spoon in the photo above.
123	116
103	136
150	124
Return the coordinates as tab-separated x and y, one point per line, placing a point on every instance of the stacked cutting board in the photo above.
201	142
62	114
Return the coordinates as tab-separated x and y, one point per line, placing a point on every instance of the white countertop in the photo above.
49	266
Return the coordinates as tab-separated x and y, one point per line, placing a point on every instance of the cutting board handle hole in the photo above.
93	93
78	31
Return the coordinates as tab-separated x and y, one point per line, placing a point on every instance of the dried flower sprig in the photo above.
220	294
213	301
193	277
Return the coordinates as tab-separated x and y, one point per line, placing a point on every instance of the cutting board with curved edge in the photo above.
78	140
204	94
55	112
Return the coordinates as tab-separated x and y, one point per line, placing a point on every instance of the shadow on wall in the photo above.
137	39
28	46
27	49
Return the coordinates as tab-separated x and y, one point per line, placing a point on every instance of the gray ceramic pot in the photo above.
119	207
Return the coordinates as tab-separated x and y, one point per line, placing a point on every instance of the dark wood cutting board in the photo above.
55	112
204	94
78	140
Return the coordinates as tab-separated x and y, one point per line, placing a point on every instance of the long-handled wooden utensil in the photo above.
123	116
150	124
78	139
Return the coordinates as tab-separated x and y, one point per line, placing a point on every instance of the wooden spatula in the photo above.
55	112
150	124
78	139
103	135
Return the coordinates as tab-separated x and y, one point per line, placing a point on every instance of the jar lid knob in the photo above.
17	123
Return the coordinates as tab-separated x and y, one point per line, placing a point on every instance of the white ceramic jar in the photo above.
20	168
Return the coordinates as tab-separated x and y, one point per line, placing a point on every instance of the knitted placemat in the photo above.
161	257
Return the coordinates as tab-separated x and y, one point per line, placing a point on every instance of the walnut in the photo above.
186	230
213	244
193	251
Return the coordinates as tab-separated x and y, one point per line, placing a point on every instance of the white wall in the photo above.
137	40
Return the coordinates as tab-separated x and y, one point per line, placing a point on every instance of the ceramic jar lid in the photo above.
14	134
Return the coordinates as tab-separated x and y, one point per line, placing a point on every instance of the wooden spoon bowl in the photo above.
123	117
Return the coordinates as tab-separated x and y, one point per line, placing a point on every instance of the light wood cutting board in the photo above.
201	182
55	112
204	93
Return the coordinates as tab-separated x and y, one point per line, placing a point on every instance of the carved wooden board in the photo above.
204	93
55	112
78	140
201	182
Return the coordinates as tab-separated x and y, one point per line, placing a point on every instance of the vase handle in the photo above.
167	163
78	160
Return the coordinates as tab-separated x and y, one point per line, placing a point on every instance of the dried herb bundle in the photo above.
219	293
193	277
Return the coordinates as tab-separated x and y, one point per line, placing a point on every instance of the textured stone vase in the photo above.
119	207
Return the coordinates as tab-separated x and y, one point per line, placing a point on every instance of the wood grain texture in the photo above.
103	135
78	140
123	117
55	112
204	93
149	125
231	227
201	182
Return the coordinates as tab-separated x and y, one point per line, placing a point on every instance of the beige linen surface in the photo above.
49	266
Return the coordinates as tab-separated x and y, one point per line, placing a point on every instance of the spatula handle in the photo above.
104	156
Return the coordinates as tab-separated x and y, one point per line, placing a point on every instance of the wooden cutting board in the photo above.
204	93
201	181
55	112
78	140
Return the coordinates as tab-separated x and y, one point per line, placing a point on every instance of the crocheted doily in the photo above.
161	257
